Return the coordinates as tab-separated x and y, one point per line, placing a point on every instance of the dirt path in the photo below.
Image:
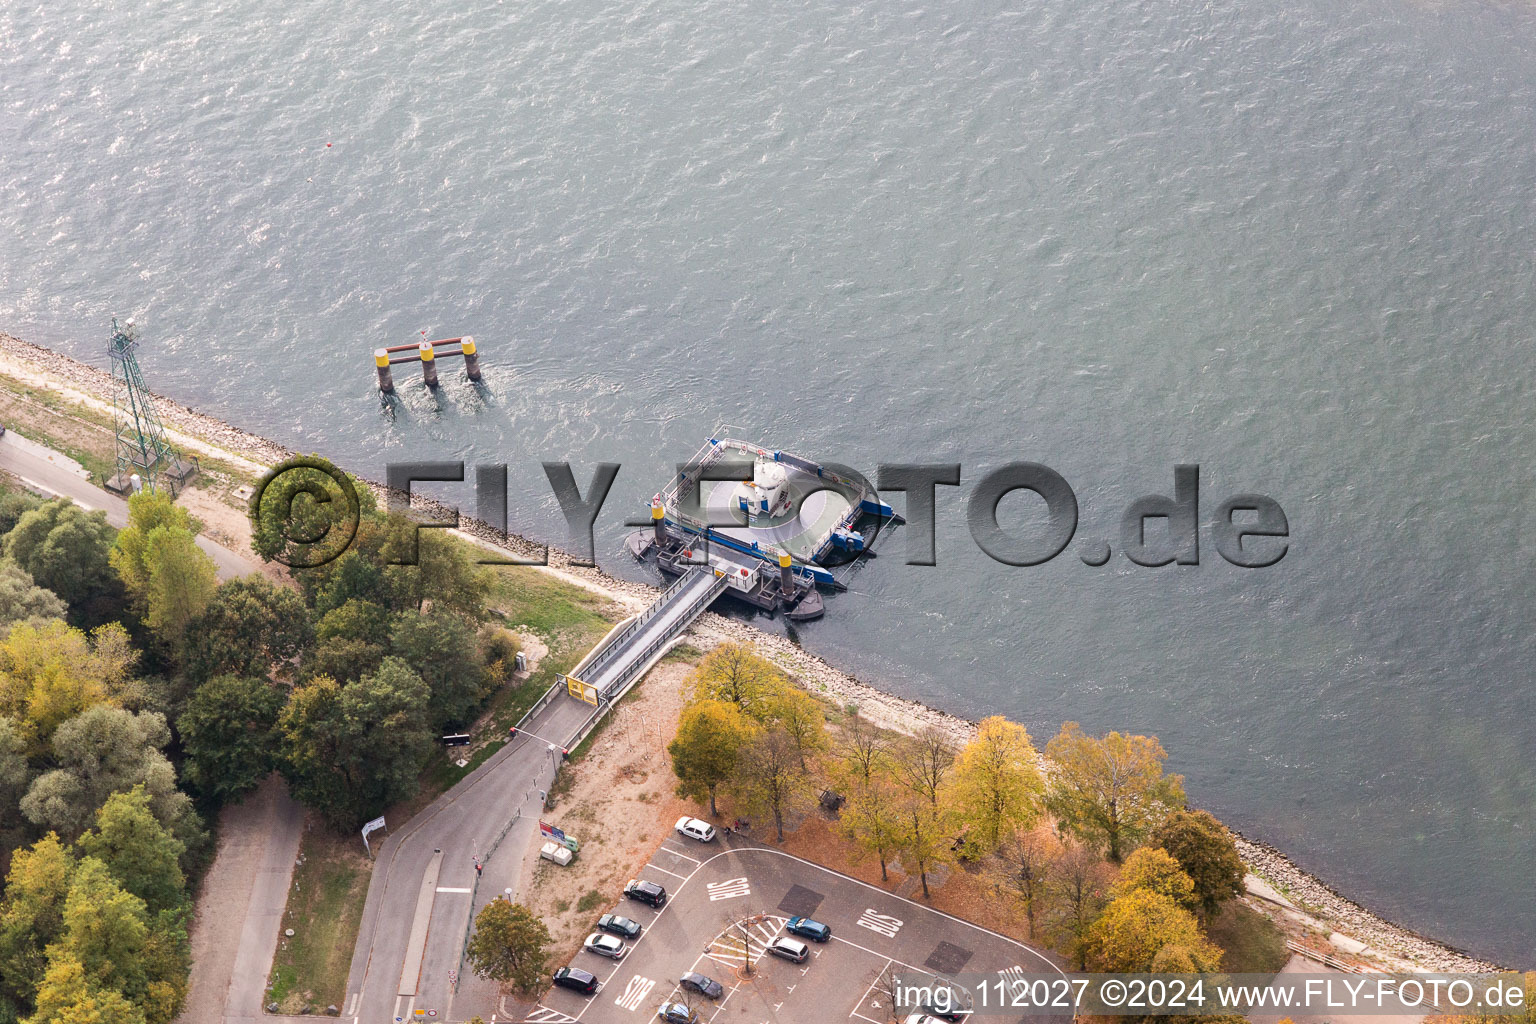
240	906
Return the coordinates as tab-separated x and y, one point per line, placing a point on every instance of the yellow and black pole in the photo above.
386	378
428	364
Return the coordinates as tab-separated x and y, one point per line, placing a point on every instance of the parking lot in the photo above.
728	899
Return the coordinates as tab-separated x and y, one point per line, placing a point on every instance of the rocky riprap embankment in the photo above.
880	707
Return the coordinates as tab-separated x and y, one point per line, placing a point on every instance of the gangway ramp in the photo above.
617	662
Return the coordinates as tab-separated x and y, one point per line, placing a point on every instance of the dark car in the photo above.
709	988
646	892
948	1007
808	929
613	924
577	980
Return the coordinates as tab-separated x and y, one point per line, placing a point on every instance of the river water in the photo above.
1291	242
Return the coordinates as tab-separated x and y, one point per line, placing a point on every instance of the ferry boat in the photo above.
774	531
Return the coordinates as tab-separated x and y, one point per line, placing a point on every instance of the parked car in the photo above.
921	1018
577	980
677	1013
789	949
623	927
609	946
695	828
646	892
707	987
554	851
949	1009
808	929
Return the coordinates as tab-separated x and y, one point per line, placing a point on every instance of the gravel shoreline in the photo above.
94	386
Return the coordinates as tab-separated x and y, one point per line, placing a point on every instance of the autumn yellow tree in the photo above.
996	785
1110	791
736	674
1153	870
872	817
1145	931
50	672
711	735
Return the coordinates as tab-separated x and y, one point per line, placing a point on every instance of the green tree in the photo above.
15	773
997	787
305	517
182	581
1205	850
32	915
711	736
106	928
1153	870
444	651
357	619
148	511
355	576
106	750
736	674
14	505
227	734
23	600
67	995
64	549
425	565
142	854
872	818
343	659
1142	931
250	626
1110	791
769	778
351	751
510	945
50	672
791	709
863	751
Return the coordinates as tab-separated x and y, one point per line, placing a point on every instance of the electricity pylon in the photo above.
141	444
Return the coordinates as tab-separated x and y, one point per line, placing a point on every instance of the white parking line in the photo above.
664	871
677	853
444	888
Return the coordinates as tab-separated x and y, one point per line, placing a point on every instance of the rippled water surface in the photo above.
1290	241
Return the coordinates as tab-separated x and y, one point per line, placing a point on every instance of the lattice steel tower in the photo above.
141	444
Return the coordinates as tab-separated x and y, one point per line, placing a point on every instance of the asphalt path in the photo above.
501	799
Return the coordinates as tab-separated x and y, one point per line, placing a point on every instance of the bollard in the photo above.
428	365
786	575
658	523
386	379
471	360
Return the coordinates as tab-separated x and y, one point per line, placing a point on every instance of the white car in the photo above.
610	946
694	828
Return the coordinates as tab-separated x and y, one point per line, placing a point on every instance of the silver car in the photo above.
610	946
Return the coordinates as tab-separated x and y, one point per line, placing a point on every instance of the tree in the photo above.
799	714
351	751
1152	870
32	915
14	770
443	650
1110	791
510	945
424	565
182	580
105	929
106	750
1028	857
1077	890
141	854
711	735
923	835
872	817
67	996
343	659
21	599
250	626
1142	931
226	732
50	672
923	763
996	784
352	577
769	778
357	619
305	517
1206	852
14	505
736	674
64	549
862	752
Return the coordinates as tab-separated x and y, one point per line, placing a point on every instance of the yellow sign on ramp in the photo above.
581	690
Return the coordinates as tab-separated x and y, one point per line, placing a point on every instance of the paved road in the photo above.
712	886
424	888
28	462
